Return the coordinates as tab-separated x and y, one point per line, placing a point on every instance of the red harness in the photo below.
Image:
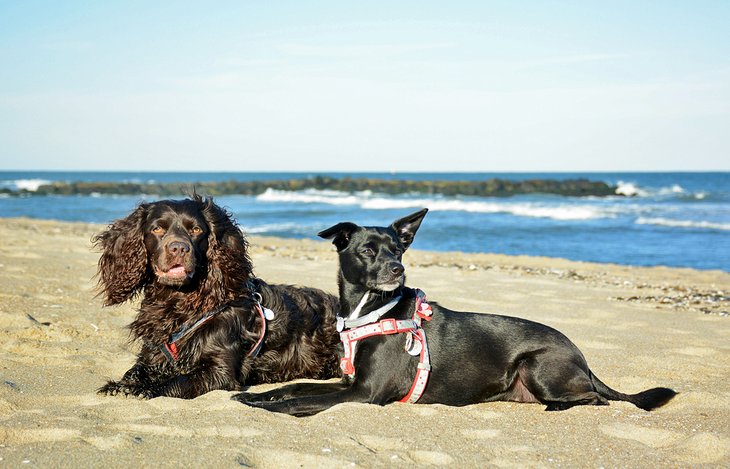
170	348
415	343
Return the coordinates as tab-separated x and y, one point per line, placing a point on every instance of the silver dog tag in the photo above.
268	314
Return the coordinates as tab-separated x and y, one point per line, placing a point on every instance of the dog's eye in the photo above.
367	252
158	230
196	230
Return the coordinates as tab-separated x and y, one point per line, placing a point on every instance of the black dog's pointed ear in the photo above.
339	234
407	226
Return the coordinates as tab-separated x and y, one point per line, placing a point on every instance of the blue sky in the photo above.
365	86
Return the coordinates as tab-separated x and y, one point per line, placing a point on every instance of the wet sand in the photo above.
638	328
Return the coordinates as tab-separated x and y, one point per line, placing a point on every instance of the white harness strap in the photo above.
423	311
354	319
350	337
424	370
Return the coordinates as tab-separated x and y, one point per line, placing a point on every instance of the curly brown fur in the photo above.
187	258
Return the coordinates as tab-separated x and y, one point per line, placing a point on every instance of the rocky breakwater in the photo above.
485	188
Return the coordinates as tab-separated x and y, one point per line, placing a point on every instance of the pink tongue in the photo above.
176	271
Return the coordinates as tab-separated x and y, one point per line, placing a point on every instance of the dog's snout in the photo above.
396	268
178	247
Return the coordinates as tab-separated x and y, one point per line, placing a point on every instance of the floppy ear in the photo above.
407	226
340	234
123	263
229	265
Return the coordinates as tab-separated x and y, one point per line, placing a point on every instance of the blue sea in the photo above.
672	219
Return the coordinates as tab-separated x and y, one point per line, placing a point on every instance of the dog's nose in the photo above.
178	247
397	268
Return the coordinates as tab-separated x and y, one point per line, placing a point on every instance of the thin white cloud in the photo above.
358	50
371	27
215	80
574	59
247	62
70	46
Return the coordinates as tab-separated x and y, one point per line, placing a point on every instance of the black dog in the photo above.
465	358
205	322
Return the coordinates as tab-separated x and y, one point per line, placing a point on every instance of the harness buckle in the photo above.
169	349
389	326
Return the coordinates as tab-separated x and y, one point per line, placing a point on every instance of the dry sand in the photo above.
638	328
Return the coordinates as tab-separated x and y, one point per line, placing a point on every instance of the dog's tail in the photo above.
647	400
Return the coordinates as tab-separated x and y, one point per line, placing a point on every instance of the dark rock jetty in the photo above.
485	188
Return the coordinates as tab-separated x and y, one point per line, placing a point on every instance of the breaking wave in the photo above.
683	223
31	185
290	227
674	191
367	200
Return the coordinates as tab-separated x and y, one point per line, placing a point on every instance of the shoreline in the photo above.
665	287
489	259
59	345
709	292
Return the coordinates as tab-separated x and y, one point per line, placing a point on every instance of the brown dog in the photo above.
205	322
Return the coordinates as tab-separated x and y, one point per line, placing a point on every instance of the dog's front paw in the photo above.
282	407
249	398
244	397
270	396
112	388
125	388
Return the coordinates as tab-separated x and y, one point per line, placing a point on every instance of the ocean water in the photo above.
672	219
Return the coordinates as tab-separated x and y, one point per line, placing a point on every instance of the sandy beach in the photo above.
637	327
